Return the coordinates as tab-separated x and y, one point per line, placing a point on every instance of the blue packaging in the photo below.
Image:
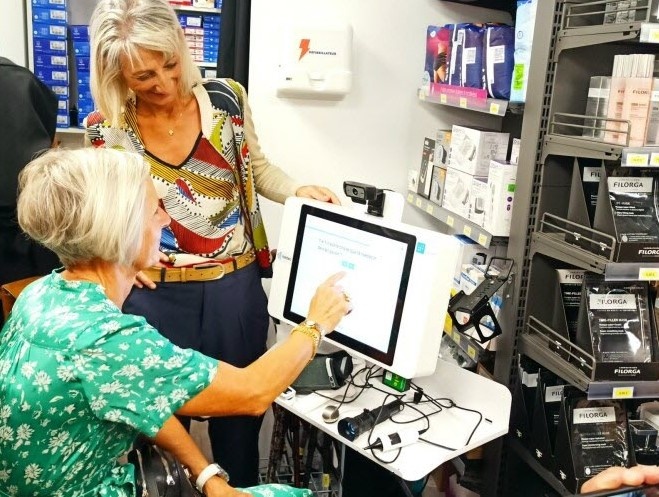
49	16
62	120
81	48
61	90
50	4
79	32
45	45
498	60
53	61
471	75
63	104
84	94
82	64
83	80
49	31
455	63
190	21
52	76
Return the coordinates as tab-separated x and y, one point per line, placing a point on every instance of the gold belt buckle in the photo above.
210	265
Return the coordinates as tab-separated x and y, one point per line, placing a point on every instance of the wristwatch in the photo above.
309	323
207	473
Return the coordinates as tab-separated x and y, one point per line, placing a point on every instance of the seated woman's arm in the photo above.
251	390
174	438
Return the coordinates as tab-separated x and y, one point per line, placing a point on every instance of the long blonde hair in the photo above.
122	27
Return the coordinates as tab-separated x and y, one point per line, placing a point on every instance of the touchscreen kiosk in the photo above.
398	277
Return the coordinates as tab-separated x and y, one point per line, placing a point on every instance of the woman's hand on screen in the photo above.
329	304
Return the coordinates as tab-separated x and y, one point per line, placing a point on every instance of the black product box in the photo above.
437	185
425	171
570	282
592	436
524	393
617	328
548	395
630	216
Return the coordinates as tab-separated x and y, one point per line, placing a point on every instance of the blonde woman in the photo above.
207	168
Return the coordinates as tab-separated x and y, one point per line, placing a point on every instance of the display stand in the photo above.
450	428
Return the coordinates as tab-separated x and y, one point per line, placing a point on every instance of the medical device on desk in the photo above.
398	278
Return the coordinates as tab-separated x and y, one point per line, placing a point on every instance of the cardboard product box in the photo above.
631	216
49	46
472	149
50	16
49	4
514	151
470	252
442	148
616	327
49	31
501	184
425	171
478	198
457	192
437	182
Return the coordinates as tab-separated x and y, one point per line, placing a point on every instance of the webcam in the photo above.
362	193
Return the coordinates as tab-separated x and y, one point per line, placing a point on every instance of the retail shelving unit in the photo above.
579	47
528	122
79	12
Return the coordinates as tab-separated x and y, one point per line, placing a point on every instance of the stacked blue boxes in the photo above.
49	20
202	33
81	52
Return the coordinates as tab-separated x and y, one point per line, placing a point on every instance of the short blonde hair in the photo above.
121	27
85	204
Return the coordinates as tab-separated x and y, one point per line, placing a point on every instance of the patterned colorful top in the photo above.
203	200
202	196
78	381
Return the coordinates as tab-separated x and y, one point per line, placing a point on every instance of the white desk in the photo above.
451	427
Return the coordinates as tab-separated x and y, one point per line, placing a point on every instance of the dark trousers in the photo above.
226	319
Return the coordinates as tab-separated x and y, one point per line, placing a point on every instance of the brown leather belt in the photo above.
212	270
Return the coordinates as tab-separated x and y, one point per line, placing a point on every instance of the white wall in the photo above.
12	31
375	133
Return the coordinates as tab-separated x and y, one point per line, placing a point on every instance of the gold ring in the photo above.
172	258
346	296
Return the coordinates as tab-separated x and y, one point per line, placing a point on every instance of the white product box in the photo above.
473	148
477	200
514	151
457	191
501	183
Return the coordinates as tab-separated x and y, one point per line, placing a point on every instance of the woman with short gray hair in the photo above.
79	379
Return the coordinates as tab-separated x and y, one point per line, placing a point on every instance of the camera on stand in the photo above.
369	195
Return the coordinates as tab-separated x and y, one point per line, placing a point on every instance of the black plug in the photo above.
418	395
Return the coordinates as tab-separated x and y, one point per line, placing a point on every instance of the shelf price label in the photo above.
429	208
466	231
471	352
419	202
494	108
482	239
637	160
450	221
622	393
648	273
653	36
463	102
410	197
442	98
654	159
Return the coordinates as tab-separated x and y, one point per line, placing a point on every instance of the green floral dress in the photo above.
78	381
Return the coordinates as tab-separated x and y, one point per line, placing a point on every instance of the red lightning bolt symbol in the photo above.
304	47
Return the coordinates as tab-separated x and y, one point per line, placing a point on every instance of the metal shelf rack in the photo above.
458	224
492	106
